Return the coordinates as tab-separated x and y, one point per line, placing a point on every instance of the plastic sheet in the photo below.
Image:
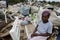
24	9
15	31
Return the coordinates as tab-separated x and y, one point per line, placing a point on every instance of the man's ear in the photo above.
48	17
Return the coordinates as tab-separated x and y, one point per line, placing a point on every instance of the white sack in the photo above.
15	31
34	9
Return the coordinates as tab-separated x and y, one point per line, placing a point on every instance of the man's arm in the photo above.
46	34
35	34
35	29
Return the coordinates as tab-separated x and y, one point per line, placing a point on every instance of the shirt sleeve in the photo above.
50	28
38	22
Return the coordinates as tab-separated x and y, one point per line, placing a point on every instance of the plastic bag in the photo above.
15	31
24	22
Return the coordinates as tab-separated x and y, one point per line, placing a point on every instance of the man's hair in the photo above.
47	13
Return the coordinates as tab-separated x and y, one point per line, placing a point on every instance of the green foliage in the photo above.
32	16
44	2
15	1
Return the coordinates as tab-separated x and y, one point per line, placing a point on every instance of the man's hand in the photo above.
34	34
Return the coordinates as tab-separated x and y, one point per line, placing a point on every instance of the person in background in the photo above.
43	29
6	3
24	10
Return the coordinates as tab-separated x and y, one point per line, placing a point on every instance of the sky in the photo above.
49	0
52	0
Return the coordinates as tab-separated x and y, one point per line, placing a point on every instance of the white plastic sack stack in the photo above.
29	0
2	3
36	19
40	13
34	9
15	31
14	8
3	11
55	19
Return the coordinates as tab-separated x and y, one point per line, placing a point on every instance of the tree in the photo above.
44	1
53	2
15	1
49	2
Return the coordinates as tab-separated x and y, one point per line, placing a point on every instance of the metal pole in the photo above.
6	3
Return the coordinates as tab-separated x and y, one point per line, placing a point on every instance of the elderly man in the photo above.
43	29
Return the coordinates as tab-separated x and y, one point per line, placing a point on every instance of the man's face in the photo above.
45	18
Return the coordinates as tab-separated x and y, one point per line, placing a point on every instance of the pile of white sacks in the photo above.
15	31
3	4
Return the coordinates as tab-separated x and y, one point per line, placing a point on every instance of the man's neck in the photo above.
45	22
